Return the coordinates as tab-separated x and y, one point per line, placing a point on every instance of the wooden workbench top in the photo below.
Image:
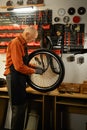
51	93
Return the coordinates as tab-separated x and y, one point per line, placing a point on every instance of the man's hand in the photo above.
32	65
39	70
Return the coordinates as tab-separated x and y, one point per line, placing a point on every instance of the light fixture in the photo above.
25	9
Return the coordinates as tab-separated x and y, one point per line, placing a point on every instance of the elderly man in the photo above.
16	73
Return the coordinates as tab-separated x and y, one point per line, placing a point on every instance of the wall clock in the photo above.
61	12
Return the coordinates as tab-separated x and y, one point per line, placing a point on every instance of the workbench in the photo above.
53	106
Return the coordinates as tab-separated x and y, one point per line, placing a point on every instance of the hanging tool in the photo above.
20	2
9	3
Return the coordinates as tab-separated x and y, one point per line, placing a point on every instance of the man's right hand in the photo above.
39	70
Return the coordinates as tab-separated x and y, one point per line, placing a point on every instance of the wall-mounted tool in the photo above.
71	11
81	10
80	60
29	2
76	19
9	3
20	2
71	58
61	12
66	19
56	19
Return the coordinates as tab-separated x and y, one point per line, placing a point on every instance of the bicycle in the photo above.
53	69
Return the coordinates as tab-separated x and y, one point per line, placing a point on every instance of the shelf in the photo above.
8	32
22	6
53	107
71	104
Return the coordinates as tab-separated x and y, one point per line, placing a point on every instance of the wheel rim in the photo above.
48	80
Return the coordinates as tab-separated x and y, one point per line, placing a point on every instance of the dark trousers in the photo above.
16	83
18	117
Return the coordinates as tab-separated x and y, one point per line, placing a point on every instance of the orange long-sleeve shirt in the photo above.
15	54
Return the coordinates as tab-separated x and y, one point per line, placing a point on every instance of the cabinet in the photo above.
66	105
53	108
44	106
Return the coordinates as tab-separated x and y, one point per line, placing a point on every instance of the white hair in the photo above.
31	30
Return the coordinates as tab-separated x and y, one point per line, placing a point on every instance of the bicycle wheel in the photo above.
50	79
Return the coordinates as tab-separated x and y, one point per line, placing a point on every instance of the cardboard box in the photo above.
69	87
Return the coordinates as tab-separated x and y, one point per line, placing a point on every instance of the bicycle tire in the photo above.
37	77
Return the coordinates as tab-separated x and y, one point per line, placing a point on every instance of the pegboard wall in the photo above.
71	36
37	17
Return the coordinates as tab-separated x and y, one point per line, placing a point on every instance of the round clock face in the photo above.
61	12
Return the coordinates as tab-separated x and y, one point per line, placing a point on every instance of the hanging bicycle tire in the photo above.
53	67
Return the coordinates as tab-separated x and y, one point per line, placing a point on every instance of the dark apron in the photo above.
18	86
